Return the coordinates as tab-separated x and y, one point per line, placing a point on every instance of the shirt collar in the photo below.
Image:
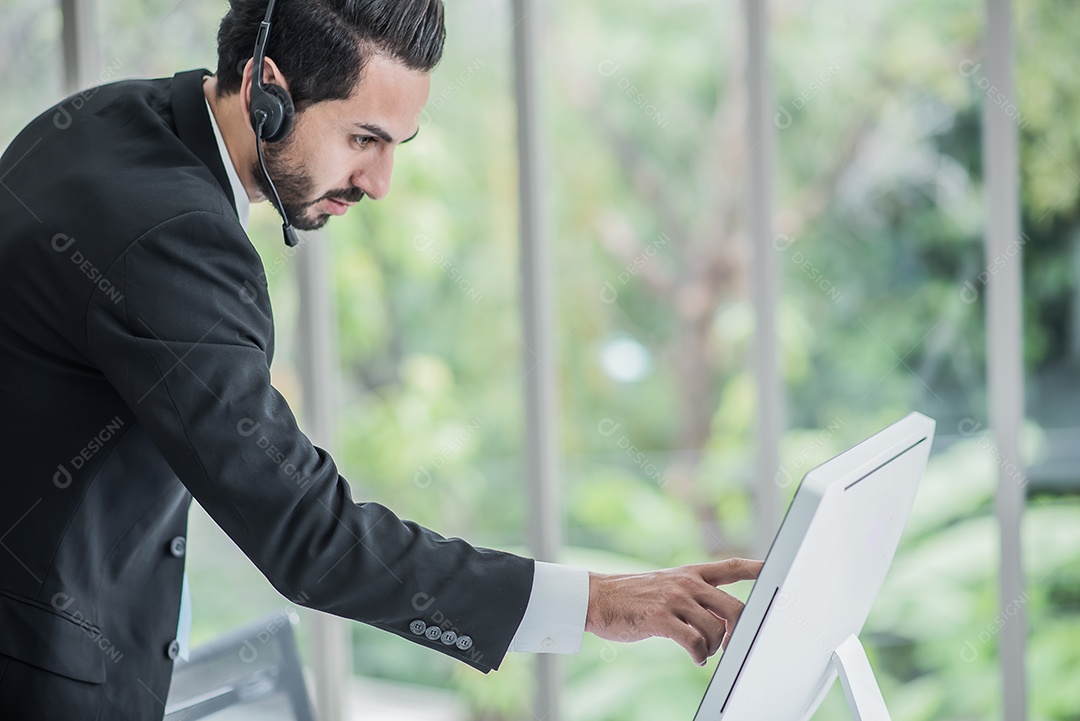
243	205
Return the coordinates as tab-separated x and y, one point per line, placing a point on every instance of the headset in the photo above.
271	112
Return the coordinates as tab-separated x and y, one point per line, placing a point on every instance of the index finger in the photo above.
729	571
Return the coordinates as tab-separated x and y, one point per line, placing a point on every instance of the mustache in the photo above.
346	195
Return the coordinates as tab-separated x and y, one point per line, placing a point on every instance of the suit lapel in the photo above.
193	125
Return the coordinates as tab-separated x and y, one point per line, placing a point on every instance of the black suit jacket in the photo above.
135	344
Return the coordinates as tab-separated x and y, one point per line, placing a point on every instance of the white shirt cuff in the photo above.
554	620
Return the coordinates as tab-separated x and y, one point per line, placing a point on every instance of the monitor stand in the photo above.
857	678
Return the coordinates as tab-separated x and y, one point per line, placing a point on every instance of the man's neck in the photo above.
237	133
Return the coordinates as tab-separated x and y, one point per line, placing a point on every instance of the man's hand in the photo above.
683	604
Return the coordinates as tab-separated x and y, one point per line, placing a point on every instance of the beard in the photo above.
295	188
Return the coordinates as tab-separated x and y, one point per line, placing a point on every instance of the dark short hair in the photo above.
321	46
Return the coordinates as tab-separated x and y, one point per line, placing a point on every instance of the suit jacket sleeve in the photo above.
186	345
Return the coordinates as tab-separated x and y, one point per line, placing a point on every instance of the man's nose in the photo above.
375	179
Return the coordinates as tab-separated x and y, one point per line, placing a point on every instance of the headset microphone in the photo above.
286	226
271	115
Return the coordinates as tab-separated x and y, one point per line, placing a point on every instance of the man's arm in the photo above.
678	603
184	342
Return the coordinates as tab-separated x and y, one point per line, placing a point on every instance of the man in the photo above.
135	346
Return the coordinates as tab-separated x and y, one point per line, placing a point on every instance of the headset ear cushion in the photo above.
287	112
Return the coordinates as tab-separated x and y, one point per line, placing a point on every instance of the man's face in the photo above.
341	150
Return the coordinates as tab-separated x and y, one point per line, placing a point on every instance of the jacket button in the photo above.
173	649
464	643
418	627
178	546
433	633
449	638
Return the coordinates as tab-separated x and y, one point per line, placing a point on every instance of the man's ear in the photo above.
271	74
245	88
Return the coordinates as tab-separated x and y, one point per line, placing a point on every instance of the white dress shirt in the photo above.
554	620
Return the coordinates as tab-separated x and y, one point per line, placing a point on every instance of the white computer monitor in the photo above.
801	623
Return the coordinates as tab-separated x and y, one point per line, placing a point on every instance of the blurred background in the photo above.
878	217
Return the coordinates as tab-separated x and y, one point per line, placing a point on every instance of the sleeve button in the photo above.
418	627
464	643
449	638
433	633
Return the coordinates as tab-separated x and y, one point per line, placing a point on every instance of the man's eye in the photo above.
363	141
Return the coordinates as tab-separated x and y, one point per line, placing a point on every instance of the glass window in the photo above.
880	221
648	176
1050	244
426	281
31	62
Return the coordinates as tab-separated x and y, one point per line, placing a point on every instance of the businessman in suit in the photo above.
135	345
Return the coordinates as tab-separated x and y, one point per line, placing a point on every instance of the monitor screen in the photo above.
820	578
